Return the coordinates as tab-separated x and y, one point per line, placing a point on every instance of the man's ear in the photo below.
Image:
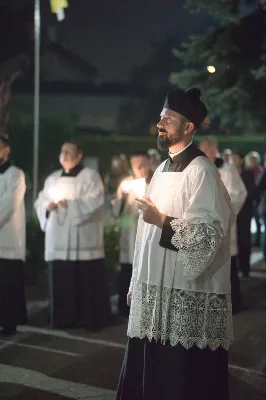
189	128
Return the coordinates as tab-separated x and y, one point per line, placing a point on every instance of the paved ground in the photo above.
43	364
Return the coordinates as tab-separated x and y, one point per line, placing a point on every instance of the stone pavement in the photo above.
43	364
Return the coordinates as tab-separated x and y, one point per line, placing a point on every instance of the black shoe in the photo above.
9	330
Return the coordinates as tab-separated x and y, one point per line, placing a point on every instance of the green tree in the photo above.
236	49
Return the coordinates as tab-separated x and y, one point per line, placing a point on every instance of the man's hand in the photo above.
63	203
52	206
151	214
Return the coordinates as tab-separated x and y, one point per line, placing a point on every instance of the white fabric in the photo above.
172	155
129	220
12	214
237	192
74	233
184	296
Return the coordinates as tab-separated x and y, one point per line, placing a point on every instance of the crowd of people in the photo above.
182	251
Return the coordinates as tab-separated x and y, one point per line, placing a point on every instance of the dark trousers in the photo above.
79	294
153	371
244	243
235	285
258	225
264	237
12	294
123	287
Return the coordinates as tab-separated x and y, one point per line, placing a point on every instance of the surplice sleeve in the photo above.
205	222
90	198
235	187
42	203
13	196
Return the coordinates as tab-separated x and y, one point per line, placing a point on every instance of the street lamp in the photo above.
57	7
211	69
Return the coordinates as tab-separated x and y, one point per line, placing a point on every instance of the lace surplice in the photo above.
177	315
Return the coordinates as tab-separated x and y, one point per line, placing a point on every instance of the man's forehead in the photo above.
166	112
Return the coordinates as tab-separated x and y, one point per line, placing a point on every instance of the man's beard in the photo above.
164	142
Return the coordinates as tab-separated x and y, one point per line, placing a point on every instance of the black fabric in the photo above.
188	104
244	242
235	285
79	294
123	288
252	192
152	371
182	160
167	234
4	167
12	294
73	172
218	162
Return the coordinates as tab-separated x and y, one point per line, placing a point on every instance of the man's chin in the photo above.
162	143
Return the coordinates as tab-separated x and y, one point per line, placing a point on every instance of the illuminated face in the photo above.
140	166
69	156
171	129
4	152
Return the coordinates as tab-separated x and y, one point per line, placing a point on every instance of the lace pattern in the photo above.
180	316
197	244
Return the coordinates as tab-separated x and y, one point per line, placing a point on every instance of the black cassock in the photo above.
12	294
78	290
155	371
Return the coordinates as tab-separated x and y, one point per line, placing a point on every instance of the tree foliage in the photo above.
235	92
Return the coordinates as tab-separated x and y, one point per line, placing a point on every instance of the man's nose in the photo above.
160	124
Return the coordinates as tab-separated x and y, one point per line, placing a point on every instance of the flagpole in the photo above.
37	34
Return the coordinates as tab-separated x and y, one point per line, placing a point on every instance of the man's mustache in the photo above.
161	130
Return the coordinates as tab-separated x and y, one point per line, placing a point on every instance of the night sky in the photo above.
116	35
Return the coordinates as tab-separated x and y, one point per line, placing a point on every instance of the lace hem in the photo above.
197	244
180	316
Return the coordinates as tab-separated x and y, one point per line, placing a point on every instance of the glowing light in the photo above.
55	194
138	187
211	69
125	186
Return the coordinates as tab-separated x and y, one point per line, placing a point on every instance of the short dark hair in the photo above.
76	144
239	154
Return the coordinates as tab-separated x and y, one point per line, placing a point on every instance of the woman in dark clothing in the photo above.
245	215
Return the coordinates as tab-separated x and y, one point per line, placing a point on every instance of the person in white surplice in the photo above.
12	242
125	207
180	322
238	193
70	211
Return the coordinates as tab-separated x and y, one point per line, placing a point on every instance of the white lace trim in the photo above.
181	316
197	244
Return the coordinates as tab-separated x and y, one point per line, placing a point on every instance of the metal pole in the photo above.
37	29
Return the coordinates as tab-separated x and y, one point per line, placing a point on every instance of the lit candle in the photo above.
138	187
54	194
125	186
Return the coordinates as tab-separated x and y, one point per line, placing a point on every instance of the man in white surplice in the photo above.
70	211
180	322
12	242
124	206
238	193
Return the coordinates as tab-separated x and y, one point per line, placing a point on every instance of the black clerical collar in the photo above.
73	171
219	162
183	159
185	154
5	166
